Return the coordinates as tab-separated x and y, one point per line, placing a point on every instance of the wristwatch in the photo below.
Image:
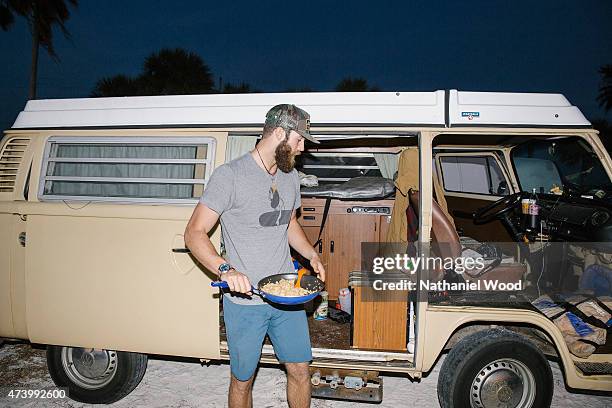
224	268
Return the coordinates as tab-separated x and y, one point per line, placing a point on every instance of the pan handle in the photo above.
224	285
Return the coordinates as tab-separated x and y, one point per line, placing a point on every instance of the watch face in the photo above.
224	267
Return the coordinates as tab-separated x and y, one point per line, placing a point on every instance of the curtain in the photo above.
239	145
167	171
387	163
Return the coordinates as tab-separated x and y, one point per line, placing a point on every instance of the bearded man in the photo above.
256	205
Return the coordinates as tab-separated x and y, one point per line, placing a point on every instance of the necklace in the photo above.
273	187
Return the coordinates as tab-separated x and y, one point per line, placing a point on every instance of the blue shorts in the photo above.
246	327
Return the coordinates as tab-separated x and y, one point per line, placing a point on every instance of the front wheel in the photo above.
495	368
95	376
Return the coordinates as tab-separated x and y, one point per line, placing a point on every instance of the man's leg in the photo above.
288	331
240	393
298	385
245	326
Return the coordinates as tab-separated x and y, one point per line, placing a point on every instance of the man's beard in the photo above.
284	156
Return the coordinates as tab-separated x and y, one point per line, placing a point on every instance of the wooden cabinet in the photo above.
379	318
344	231
342	246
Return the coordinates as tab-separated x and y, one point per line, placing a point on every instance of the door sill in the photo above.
354	359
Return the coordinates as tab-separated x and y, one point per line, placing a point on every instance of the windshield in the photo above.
559	164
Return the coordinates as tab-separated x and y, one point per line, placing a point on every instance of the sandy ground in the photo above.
186	383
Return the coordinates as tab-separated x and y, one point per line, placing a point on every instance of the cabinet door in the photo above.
343	236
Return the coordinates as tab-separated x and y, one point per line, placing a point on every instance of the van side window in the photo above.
470	174
126	169
342	166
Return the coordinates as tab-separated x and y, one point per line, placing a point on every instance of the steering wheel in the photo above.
497	208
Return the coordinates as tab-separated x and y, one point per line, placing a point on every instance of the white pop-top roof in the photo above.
526	109
438	108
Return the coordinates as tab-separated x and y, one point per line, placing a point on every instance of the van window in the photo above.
568	163
471	174
126	169
341	166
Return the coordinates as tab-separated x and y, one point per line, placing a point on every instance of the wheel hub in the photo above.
89	368
504	394
503	383
87	359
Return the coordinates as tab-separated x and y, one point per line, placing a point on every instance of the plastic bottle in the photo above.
534	211
344	298
320	312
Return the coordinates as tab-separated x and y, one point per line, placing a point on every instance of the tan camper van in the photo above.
95	195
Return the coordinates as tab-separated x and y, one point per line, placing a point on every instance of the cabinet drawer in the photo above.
310	219
311	209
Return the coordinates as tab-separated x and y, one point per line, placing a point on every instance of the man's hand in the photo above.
317	266
237	282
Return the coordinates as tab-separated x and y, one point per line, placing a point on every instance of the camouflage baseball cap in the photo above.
290	117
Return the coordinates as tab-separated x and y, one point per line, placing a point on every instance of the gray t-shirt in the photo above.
254	218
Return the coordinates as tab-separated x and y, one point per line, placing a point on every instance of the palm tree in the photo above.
176	72
168	72
355	85
119	85
41	15
605	89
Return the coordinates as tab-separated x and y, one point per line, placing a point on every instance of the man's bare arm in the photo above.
199	226
299	242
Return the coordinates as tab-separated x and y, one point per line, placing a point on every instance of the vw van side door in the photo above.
112	272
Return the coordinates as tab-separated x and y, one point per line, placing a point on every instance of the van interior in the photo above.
366	190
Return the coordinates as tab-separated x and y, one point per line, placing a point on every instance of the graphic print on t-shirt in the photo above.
277	217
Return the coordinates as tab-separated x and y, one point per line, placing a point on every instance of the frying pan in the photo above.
308	282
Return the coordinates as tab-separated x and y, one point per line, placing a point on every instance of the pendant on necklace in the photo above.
273	186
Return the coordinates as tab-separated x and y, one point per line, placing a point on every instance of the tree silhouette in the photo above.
168	72
41	15
605	89
355	85
302	90
243	87
176	72
119	85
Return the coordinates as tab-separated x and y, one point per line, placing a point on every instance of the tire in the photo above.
494	368
95	376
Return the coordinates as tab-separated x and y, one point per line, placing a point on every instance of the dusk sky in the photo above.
522	46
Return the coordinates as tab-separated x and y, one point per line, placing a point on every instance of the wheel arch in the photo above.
446	326
469	375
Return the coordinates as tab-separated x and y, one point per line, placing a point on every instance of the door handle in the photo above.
181	250
331	247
